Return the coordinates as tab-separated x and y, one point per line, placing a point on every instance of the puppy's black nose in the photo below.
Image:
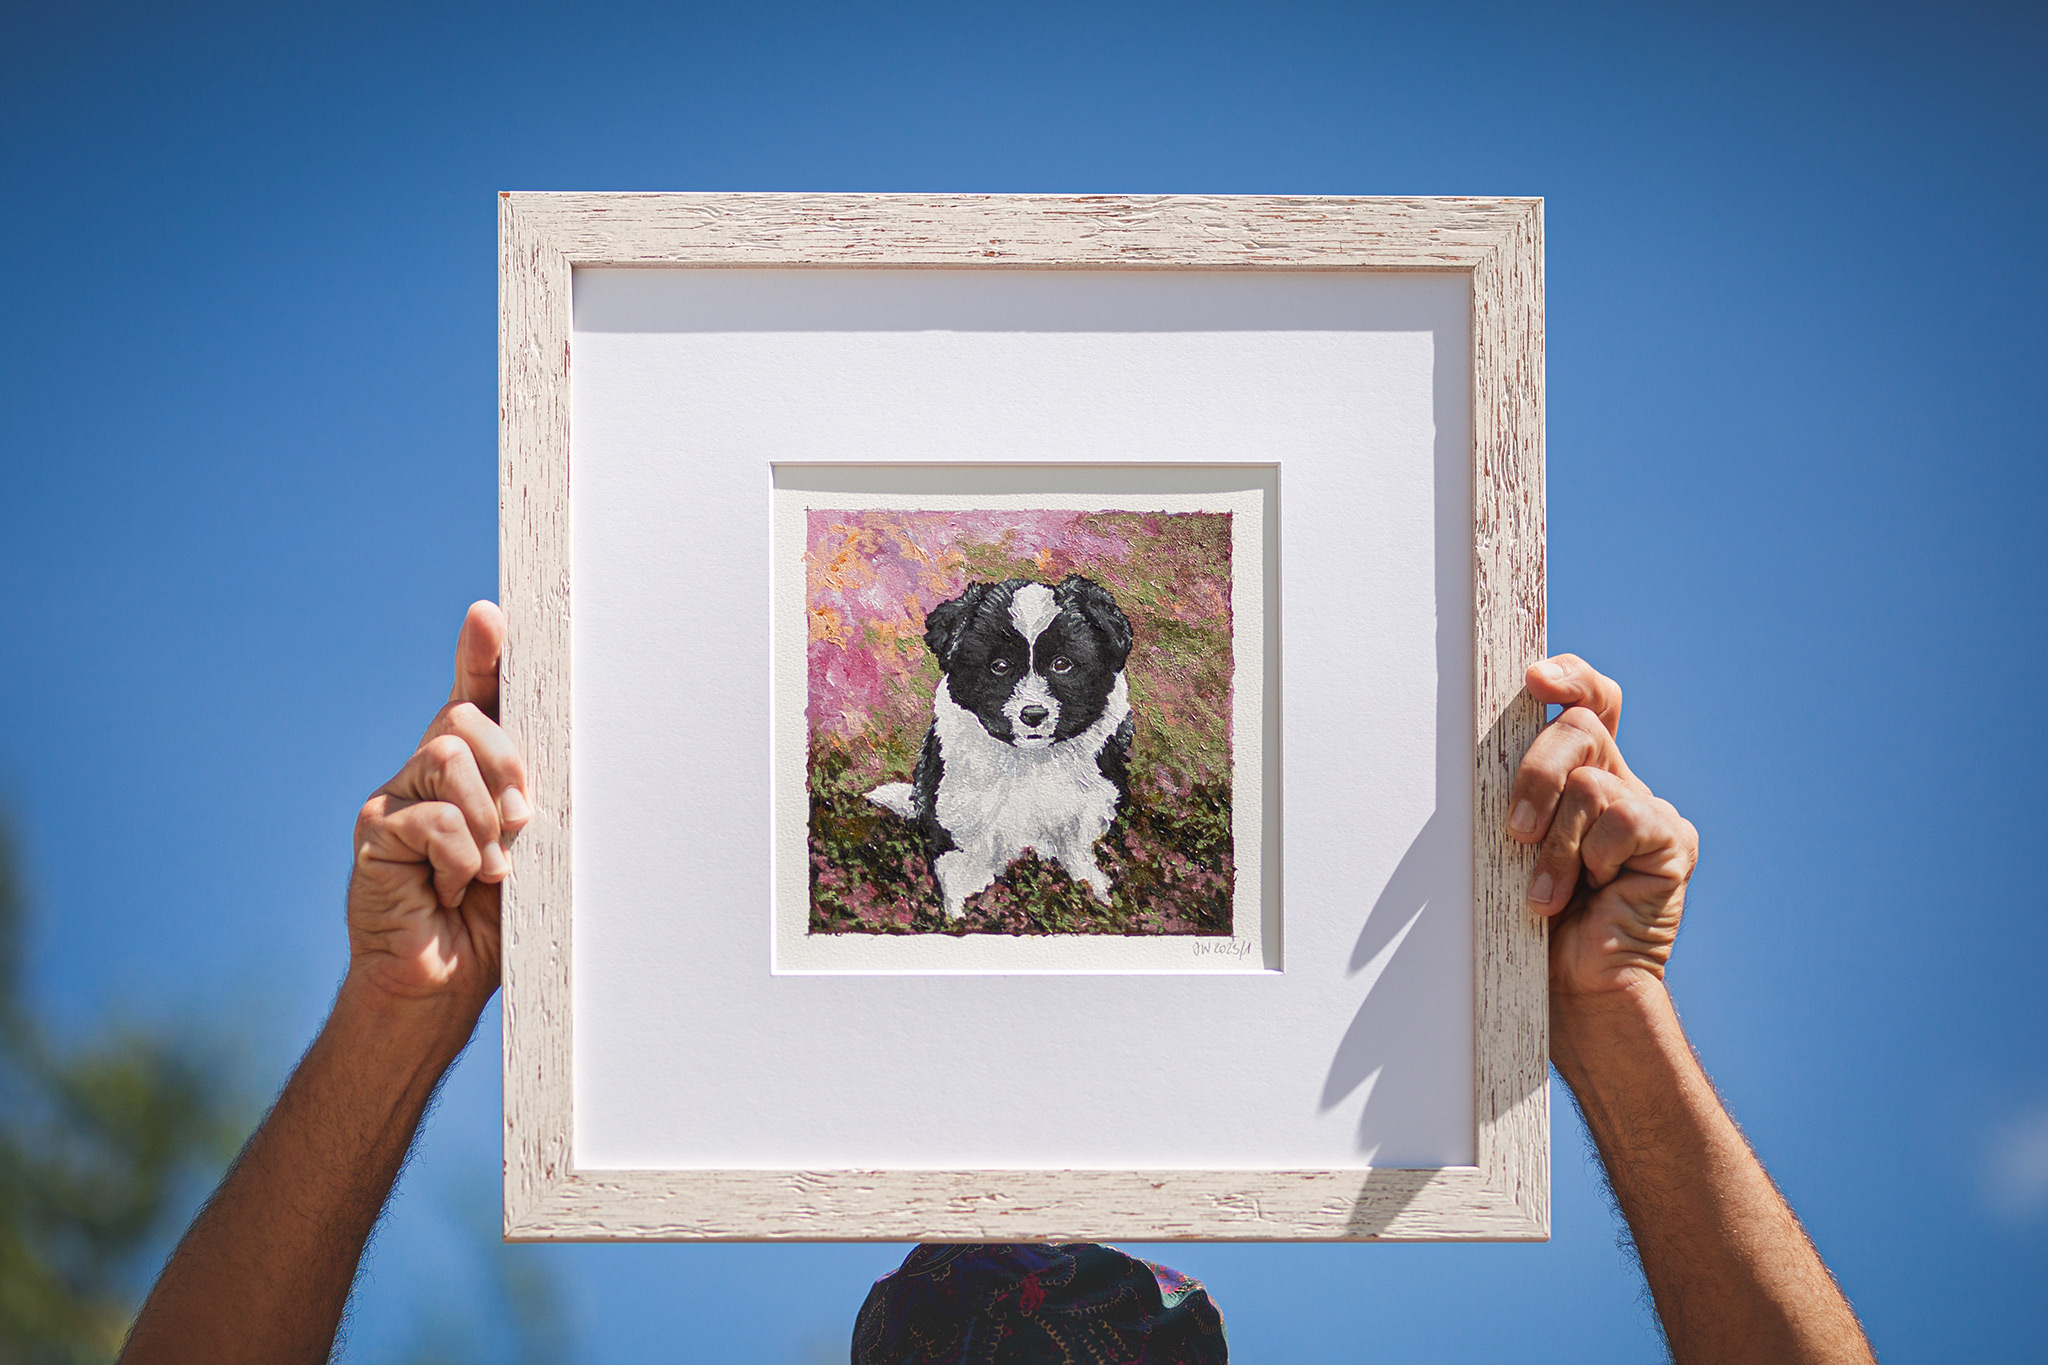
1032	715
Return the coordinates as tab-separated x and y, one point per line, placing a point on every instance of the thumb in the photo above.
1567	680
477	651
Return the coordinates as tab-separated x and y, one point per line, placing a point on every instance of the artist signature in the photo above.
1239	948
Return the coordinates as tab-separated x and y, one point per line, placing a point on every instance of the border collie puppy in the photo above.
1031	734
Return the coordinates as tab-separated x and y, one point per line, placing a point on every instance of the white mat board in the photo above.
689	1052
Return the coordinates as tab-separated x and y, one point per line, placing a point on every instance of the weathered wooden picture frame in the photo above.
1491	251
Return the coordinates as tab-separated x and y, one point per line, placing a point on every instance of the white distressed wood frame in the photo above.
1498	243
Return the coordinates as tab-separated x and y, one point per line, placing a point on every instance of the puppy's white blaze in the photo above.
1032	610
899	797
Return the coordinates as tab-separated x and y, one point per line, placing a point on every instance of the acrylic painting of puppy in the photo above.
1030	741
1017	722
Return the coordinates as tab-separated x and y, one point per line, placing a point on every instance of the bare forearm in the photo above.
1732	1272
264	1273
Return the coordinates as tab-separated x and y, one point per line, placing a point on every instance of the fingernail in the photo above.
1523	821
495	866
1540	889
512	807
1549	672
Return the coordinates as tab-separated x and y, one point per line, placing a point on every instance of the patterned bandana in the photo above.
1036	1303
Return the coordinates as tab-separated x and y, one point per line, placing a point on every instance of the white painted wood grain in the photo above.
1497	242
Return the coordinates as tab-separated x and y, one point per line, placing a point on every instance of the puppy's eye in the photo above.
1062	664
999	666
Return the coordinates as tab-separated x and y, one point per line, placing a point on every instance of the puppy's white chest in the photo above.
1004	799
1024	800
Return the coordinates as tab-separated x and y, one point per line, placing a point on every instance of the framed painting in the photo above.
1020	693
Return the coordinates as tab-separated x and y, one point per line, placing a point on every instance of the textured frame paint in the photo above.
1497	243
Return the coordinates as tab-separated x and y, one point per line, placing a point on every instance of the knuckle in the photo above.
1586	784
461	714
1536	760
444	750
1585	721
1668	819
1558	750
1640	819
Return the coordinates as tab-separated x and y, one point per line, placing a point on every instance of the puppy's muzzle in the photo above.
1032	712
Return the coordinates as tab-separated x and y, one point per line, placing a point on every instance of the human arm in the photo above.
1731	1270
265	1271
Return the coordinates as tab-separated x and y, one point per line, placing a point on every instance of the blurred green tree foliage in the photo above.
512	1311
100	1144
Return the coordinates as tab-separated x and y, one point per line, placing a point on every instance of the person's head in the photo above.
1031	1302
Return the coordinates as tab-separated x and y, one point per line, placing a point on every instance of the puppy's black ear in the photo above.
948	621
1099	610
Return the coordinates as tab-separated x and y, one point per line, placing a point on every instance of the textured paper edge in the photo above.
1243	950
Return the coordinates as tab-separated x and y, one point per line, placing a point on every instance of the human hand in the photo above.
423	898
1615	858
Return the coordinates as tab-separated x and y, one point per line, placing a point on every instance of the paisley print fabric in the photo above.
1075	1303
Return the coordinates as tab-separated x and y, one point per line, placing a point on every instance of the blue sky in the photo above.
247	464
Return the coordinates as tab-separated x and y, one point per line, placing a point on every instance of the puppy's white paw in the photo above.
1081	866
899	797
961	876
